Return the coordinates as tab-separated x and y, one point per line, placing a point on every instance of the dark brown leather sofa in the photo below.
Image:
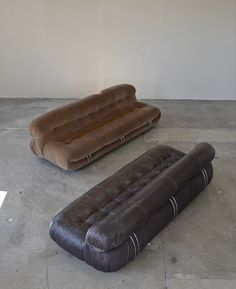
76	134
109	225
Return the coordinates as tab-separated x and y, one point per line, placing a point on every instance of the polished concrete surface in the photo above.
198	250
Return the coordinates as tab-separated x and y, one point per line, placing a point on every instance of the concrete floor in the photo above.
198	250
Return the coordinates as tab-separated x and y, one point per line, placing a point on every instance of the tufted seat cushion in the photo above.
73	135
112	222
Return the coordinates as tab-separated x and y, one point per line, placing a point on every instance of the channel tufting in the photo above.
109	225
76	134
131	188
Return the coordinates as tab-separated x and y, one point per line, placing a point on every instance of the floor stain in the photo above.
173	260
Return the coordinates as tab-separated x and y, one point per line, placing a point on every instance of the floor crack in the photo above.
163	261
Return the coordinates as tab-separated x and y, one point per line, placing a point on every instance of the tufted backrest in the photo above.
82	113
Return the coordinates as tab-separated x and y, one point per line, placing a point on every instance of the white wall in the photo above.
71	48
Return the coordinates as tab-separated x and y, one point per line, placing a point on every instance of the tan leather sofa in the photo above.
76	134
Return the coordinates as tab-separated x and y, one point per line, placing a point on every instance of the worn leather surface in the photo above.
97	226
117	258
73	135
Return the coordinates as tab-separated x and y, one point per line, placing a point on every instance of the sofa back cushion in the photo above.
79	115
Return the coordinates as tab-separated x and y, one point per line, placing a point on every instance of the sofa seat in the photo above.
110	224
75	141
75	147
